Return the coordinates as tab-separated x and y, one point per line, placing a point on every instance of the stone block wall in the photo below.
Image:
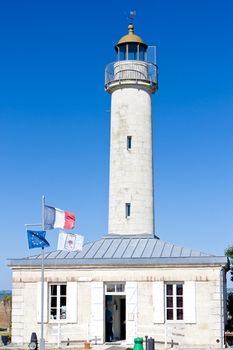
204	332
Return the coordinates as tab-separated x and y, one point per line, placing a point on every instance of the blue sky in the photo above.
55	120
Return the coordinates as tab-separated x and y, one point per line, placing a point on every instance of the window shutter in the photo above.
158	302
189	302
131	311
72	302
39	302
97	311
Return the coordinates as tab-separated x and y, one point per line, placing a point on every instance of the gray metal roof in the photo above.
123	250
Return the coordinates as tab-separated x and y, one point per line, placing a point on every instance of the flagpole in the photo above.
42	342
28	225
43	204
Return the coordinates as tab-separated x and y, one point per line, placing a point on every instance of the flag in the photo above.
70	242
36	239
57	218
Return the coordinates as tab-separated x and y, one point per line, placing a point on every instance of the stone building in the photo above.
129	283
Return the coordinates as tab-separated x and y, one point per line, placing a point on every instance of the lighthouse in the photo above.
131	80
128	283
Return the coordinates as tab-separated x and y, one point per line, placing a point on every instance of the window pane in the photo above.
53	290
179	314
62	301
169	302
54	302
110	287
169	289
179	289
122	52
63	289
132	51
63	313
142	53
120	288
53	314
179	301
169	314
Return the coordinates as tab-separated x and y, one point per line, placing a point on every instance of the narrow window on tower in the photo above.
127	210
129	142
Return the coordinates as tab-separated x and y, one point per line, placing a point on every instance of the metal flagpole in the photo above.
42	342
28	225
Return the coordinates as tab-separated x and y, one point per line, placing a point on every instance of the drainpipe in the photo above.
222	298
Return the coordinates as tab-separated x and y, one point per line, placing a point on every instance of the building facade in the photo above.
129	283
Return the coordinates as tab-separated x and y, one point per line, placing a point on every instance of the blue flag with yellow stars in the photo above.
36	239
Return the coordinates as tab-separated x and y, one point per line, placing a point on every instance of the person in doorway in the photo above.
108	315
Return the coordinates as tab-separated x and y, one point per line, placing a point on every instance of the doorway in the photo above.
115	312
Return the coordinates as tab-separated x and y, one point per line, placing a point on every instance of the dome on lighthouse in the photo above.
130	38
131	46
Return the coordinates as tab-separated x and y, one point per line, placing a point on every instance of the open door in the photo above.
115	318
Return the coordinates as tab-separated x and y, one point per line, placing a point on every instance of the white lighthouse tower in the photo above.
131	81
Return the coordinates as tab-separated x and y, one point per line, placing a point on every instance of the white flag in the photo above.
70	242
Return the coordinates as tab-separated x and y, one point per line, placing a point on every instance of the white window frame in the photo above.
174	298
58	296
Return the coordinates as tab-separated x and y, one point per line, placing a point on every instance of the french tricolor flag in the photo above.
57	218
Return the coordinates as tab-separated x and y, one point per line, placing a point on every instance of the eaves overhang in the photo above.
153	262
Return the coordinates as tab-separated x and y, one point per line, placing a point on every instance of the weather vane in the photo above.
131	16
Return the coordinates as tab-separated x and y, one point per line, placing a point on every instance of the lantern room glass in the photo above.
142	51
132	51
122	52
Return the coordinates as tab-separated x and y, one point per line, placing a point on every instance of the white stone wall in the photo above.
24	311
204	332
18	316
131	171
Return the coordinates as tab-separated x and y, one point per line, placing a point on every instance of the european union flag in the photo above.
36	239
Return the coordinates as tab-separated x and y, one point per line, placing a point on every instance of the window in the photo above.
122	52
174	302
129	142
114	288
127	210
57	302
142	51
132	51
